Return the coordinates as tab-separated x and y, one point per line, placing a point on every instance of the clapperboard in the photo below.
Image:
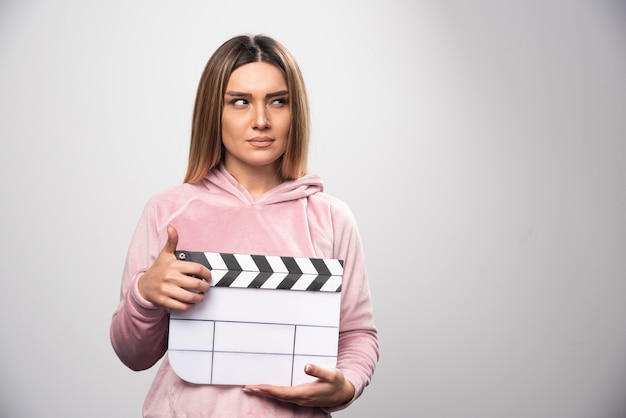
263	319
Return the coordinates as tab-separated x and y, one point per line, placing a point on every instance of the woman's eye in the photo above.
279	102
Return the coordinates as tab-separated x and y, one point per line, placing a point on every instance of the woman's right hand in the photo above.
169	282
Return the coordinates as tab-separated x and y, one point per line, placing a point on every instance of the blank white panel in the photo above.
191	335
245	368
254	338
195	365
265	305
316	341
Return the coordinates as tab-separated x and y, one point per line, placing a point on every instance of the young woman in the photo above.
246	191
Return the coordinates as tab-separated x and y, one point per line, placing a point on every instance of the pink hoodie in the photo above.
218	215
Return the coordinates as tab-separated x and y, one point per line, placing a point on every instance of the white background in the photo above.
481	145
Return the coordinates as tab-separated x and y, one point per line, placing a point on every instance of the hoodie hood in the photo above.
305	186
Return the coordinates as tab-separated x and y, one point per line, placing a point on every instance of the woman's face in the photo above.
256	117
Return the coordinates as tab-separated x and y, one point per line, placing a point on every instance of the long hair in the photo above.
206	150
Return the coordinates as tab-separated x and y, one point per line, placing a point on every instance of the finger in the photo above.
283	393
187	296
172	240
319	372
175	305
177	298
194	283
196	270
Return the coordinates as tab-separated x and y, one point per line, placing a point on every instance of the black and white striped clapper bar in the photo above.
263	319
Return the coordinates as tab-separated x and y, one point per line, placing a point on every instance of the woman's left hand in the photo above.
331	389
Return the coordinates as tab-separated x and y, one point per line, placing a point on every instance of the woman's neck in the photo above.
256	180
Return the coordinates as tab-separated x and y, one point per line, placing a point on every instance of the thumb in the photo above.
172	240
313	370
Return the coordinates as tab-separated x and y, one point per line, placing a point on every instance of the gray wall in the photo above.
481	145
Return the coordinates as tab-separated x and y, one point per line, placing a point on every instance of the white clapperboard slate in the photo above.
263	319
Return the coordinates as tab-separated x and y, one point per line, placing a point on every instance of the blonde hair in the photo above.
206	150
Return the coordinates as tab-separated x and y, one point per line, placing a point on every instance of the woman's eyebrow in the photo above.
249	95
277	94
237	94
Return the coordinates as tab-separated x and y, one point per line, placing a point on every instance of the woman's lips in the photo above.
261	142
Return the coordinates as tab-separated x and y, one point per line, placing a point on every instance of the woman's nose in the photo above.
261	118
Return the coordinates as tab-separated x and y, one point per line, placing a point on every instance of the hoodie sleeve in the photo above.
139	328
358	351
